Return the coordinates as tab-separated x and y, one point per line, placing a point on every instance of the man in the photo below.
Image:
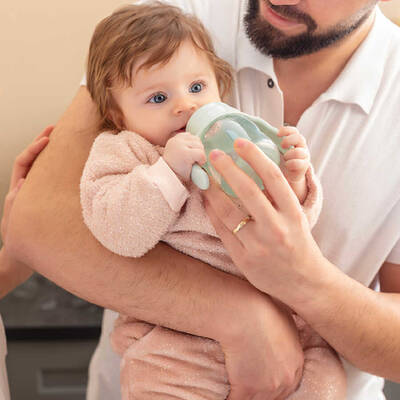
333	70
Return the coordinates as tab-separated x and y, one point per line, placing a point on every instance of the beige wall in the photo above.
43	47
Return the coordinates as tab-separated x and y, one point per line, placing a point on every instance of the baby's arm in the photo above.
296	161
297	168
129	200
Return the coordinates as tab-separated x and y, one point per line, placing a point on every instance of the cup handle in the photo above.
200	177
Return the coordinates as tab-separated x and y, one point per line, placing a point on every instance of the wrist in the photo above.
300	189
315	299
252	314
179	173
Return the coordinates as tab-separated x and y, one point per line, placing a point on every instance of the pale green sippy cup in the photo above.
218	126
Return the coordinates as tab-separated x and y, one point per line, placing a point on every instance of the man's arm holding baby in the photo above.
165	287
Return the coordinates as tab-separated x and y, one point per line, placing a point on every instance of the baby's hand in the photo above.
182	151
296	160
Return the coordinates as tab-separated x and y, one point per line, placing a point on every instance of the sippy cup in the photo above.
218	126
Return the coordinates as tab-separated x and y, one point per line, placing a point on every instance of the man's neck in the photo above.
303	79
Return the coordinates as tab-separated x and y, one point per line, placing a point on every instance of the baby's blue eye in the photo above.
196	87
158	98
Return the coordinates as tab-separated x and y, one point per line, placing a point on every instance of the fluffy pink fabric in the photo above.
129	209
159	363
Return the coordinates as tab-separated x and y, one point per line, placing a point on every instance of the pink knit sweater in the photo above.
131	200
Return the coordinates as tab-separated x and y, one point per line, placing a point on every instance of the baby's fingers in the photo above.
199	156
300	153
297	166
295	140
291	137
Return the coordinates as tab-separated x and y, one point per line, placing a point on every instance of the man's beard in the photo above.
272	42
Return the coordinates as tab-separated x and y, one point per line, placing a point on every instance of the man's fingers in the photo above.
223	223
252	198
225	210
24	161
45	133
8	202
274	181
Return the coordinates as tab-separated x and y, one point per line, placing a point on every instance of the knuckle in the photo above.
292	166
227	213
252	191
299	219
281	235
275	174
258	251
297	153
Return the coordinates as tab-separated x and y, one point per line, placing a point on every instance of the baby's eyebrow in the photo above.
152	88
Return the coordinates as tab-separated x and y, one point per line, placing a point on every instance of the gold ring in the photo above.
242	223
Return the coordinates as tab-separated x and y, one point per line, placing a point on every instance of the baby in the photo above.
150	67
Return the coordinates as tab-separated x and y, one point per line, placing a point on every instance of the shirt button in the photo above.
271	83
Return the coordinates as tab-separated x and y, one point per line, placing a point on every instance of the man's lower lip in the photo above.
275	19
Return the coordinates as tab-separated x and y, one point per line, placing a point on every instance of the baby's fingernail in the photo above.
240	143
215	154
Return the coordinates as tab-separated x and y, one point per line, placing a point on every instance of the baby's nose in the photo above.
185	106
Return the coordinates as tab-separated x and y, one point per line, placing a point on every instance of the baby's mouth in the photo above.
183	129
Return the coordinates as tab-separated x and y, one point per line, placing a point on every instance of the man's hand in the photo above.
22	165
265	359
274	249
12	272
182	151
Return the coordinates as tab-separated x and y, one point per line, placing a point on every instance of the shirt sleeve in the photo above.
83	80
125	204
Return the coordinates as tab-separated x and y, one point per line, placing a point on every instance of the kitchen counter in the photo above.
39	309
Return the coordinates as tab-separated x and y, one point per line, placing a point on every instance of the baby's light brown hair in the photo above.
153	31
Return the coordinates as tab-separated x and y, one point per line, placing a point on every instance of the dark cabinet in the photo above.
51	336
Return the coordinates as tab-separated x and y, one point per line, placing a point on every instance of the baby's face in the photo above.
161	99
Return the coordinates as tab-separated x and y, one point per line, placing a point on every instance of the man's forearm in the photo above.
361	324
47	233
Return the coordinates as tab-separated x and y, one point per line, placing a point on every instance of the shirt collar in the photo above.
361	78
359	81
247	56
